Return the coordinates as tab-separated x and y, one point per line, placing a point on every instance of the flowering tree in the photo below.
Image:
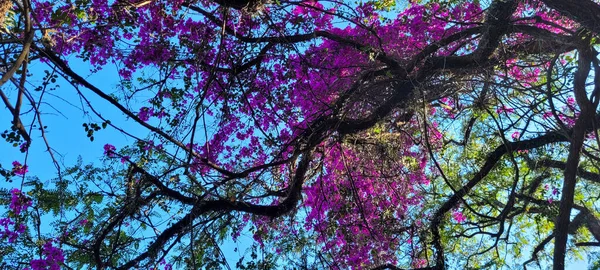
338	134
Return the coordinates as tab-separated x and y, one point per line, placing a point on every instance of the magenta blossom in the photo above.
9	228
505	109
6	231
145	113
53	258
18	202
19	169
458	216
516	135
109	150
23	147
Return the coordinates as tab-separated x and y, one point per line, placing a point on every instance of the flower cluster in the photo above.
458	216
18	205
504	109
53	258
10	230
19	169
145	113
18	202
109	150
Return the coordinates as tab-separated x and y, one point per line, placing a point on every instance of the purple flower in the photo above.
53	258
19	169
23	147
160	114
145	113
165	94
148	146
109	150
505	109
458	216
21	228
516	135
6	231
18	202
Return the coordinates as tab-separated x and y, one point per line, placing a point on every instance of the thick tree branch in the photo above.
203	207
587	175
490	162
582	124
585	12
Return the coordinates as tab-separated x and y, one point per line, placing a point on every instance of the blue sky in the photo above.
65	134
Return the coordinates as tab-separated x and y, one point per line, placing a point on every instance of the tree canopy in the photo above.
337	134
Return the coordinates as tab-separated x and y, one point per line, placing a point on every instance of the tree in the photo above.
426	135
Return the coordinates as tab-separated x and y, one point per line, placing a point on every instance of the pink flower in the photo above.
418	263
145	113
516	135
168	266
5	231
505	109
53	258
18	202
109	150
19	169
458	217
23	147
